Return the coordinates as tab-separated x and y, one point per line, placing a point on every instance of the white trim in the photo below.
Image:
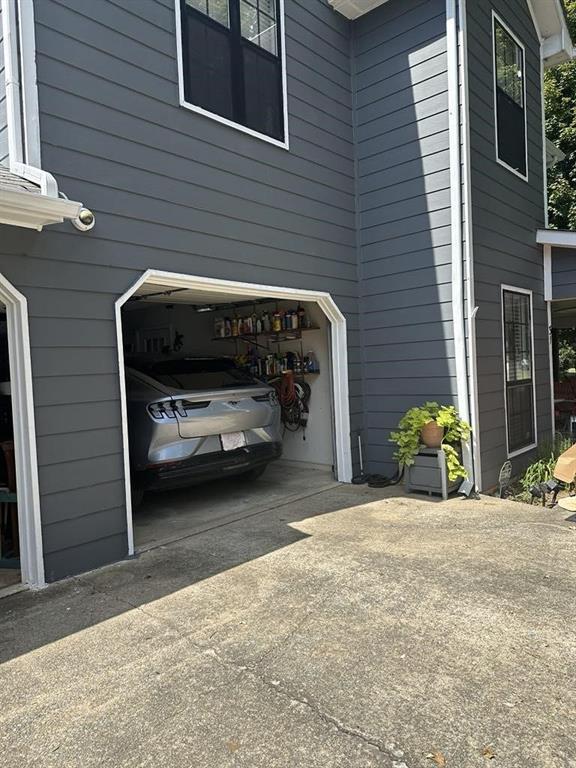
560	238
31	553
496	17
218	118
22	115
34	211
458	318
526	292
339	359
11	75
548	290
29	86
551	367
535	22
469	248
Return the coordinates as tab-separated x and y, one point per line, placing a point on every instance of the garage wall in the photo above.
171	190
563	273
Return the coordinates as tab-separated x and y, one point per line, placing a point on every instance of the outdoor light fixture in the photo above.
85	220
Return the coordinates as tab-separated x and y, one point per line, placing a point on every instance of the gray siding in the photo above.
564	273
3	125
506	211
171	190
401	126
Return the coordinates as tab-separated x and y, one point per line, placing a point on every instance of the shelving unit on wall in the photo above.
264	341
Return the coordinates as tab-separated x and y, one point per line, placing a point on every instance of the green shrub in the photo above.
407	437
542	469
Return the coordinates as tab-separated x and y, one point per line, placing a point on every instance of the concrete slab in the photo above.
352	628
169	516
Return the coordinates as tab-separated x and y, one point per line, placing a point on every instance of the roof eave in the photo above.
34	211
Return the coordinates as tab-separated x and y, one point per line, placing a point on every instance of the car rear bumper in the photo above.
208	466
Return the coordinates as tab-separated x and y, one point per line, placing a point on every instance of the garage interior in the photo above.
10	574
281	342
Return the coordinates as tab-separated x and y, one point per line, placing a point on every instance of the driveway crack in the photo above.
386	748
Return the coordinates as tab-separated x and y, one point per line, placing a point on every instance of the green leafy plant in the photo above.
407	436
542	469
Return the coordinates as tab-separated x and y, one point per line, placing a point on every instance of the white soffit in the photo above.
353	9
548	16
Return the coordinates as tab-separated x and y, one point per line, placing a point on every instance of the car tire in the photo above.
253	474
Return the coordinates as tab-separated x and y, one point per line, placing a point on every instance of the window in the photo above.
232	62
509	99
518	369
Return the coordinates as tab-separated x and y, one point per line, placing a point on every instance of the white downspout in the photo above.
11	75
21	95
458	314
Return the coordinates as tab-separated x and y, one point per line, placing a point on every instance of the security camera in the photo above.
85	220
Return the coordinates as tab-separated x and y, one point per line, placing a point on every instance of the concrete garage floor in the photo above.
168	516
349	630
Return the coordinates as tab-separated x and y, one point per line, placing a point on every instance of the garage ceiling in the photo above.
160	294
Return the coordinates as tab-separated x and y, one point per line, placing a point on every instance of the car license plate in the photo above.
233	440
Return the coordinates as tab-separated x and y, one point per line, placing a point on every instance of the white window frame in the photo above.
218	118
526	292
500	20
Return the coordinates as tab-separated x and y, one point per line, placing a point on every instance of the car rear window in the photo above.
194	374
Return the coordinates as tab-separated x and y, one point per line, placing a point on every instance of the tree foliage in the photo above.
560	100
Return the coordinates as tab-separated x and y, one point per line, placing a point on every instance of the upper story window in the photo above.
509	99
518	369
231	63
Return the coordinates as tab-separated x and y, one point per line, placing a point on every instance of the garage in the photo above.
234	398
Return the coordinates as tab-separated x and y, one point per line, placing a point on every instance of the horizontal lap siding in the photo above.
171	190
506	211
564	273
401	125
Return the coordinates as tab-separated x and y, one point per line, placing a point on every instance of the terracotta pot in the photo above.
432	434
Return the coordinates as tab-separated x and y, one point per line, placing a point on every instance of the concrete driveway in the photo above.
349	629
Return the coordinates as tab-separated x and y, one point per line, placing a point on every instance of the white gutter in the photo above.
33	211
458	314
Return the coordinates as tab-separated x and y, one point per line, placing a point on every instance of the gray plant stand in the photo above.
429	474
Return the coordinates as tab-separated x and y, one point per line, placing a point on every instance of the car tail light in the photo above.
161	410
269	397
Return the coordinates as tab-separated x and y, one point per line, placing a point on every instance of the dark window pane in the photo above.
263	93
511	132
520	408
518	371
510	119
207	66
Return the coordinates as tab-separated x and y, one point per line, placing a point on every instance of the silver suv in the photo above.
196	419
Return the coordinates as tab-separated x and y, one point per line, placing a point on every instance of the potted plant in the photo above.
435	426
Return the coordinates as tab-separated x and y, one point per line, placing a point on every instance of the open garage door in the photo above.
235	400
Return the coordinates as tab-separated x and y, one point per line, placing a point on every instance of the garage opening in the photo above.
233	401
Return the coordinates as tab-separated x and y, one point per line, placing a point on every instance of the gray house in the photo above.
380	163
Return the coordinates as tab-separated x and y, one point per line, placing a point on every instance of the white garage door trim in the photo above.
29	522
339	358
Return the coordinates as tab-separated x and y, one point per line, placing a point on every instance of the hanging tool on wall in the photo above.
294	398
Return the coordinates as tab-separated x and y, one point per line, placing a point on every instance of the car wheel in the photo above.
253	474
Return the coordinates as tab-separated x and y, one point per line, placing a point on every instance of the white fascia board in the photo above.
33	211
560	238
353	9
